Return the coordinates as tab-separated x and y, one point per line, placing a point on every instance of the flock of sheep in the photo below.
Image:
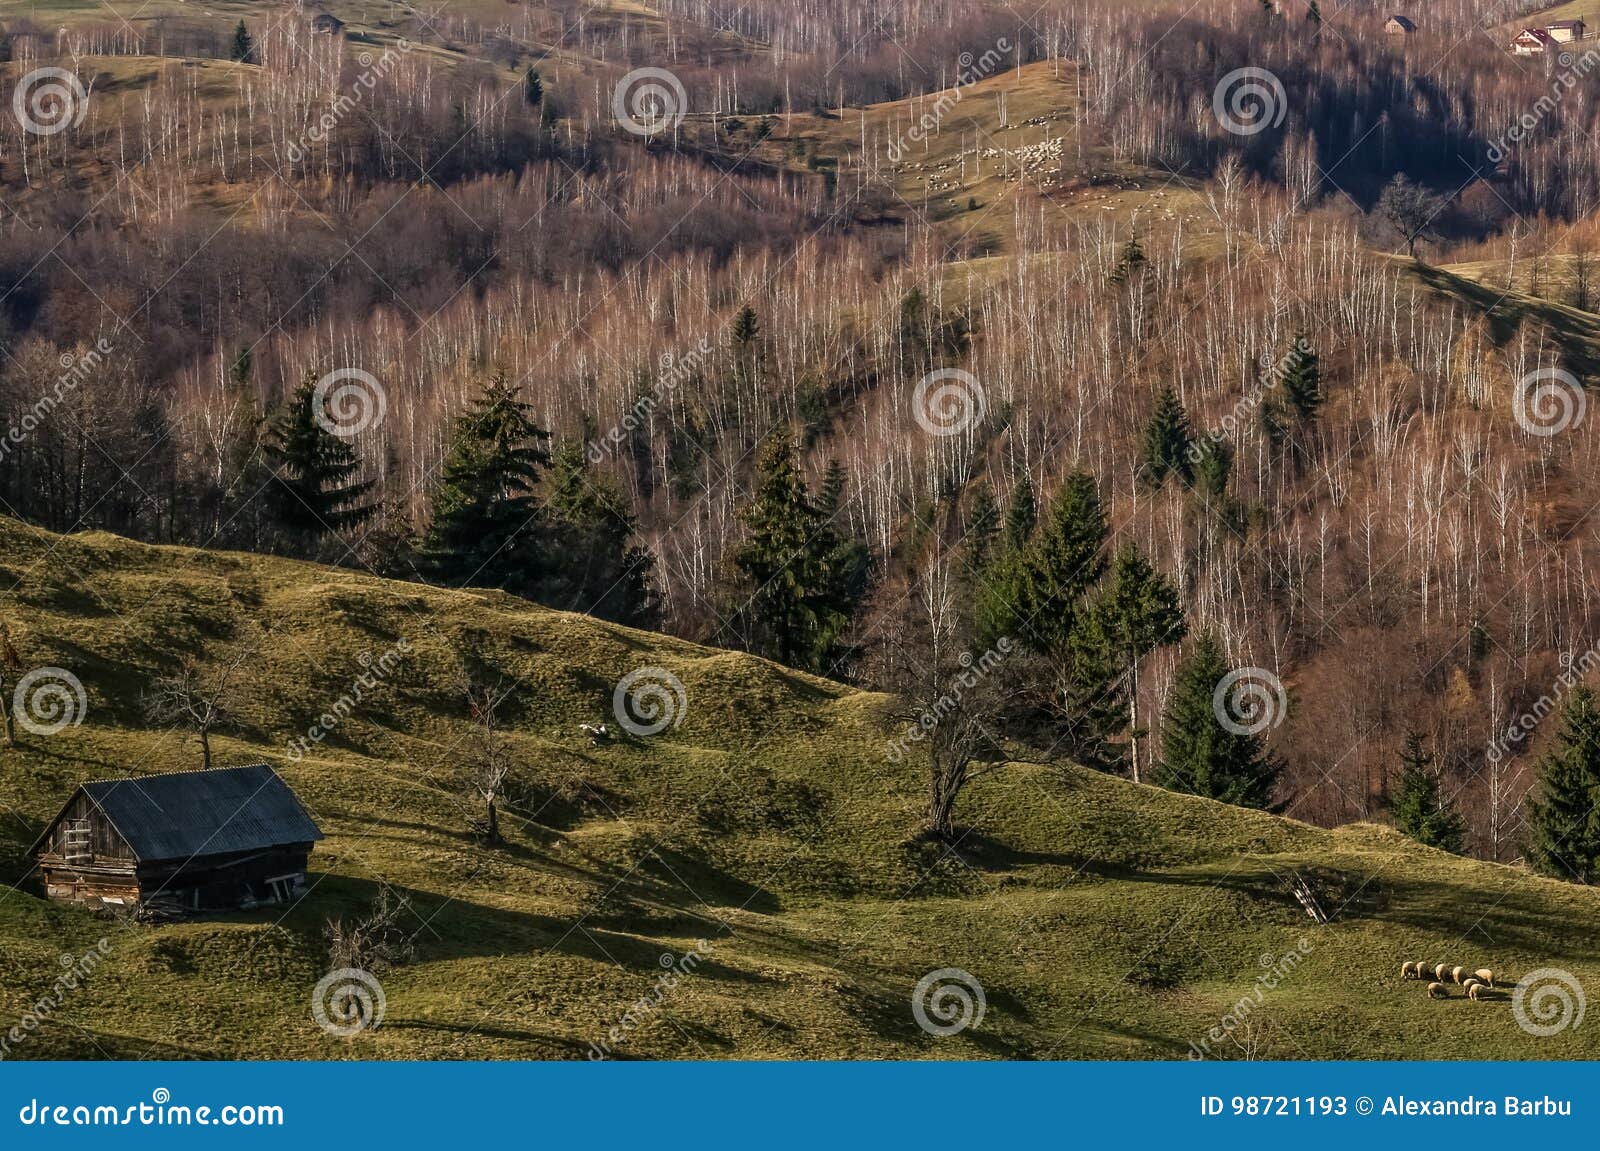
1476	982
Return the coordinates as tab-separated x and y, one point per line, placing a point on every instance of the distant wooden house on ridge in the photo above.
327	25
222	838
1532	42
1399	26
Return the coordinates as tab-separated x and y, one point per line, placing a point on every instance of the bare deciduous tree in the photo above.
490	758
198	696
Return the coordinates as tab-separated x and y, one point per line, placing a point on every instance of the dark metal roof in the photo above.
190	813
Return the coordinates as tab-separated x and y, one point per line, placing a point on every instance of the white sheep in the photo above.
1469	983
1476	991
597	733
1438	991
1486	975
1456	973
1440	971
1407	970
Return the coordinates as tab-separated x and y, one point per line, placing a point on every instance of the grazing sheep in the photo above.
1456	974
1476	991
1407	971
1486	975
1440	971
1469	983
1438	991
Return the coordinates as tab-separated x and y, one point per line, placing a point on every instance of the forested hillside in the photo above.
856	339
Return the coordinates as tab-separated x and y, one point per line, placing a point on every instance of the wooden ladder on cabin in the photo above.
75	844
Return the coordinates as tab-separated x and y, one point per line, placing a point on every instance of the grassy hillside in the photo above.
1103	919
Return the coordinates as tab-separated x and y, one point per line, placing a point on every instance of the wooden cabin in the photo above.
1566	31
224	838
1399	26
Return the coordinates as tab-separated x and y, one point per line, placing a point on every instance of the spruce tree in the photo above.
1200	756
746	326
244	46
1167	442
1129	262
1314	15
487	529
1065	559
1138	611
1564	821
790	611
313	490
983	527
532	88
1301	380
597	568
1213	466
1417	807
1022	514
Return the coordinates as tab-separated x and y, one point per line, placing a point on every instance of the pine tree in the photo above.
1417	807
983	527
313	489
532	88
244	46
1200	756
1167	442
1022	514
790	610
1138	611
1213	466
1129	262
487	528
746	326
1301	380
1314	15
596	567
1065	560
1564	822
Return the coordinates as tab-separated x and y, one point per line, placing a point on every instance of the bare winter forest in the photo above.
789	223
